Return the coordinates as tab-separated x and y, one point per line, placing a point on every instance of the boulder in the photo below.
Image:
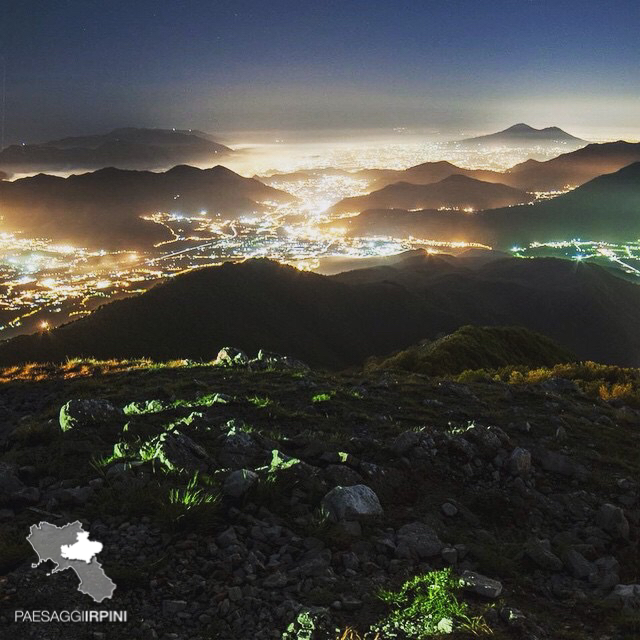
625	597
239	449
560	464
268	359
231	357
341	475
9	481
351	503
417	541
613	521
407	441
176	451
608	572
481	585
578	566
81	413
540	552
238	482
449	509
519	462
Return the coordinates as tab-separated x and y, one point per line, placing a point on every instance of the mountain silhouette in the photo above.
341	320
522	134
604	209
453	192
127	148
102	209
575	168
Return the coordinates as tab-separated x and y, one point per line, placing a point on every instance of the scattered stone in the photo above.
238	482
540	552
561	464
519	462
449	509
172	607
578	565
231	357
613	521
481	585
625	597
418	541
77	414
351	503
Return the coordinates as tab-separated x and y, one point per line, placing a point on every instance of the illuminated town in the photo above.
45	285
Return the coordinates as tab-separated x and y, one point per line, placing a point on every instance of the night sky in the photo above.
80	66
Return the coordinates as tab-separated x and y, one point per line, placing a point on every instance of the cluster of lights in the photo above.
626	256
46	284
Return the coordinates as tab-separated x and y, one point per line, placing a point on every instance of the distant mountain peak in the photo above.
522	132
521	127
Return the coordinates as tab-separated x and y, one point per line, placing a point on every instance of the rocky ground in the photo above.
265	500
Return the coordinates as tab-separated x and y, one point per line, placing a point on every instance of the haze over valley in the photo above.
78	238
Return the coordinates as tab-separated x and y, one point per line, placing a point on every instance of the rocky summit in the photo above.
255	498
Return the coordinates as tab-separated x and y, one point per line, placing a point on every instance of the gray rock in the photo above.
608	575
540	552
578	566
238	482
11	487
519	462
278	361
178	451
76	495
449	555
559	463
351	503
625	597
406	441
231	357
81	413
171	607
449	509
487	439
239	449
227	538
481	585
417	540
340	474
26	495
613	521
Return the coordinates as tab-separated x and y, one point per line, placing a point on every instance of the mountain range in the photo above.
574	168
102	209
566	170
522	134
604	209
341	320
126	148
453	192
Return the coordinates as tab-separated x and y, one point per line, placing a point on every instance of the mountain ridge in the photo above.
520	133
338	321
102	208
125	148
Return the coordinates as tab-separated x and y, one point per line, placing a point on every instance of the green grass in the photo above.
425	606
472	347
322	397
191	496
261	402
